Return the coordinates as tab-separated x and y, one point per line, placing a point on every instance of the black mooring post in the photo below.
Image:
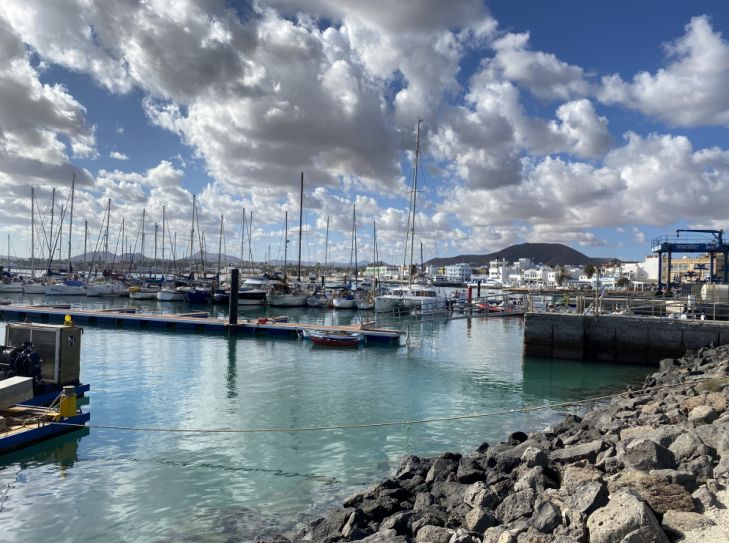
233	303
478	290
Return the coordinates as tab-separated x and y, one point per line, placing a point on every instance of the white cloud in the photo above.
542	73
116	155
39	123
690	90
639	236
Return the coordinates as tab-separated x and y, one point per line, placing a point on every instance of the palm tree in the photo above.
561	275
590	271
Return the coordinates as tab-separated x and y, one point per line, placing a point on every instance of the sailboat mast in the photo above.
374	254
286	241
192	235
220	246
163	238
156	228
53	213
415	193
243	238
326	247
354	237
250	241
32	232
123	241
106	235
86	239
70	221
301	218
141	265
60	234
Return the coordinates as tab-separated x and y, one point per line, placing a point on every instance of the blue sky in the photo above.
595	124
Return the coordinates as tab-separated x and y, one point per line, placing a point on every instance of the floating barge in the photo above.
39	387
190	322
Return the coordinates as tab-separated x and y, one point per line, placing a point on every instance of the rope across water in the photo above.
359	426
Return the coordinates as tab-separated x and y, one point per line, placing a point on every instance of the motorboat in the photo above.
423	299
253	291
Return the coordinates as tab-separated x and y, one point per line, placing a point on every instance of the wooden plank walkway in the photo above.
189	322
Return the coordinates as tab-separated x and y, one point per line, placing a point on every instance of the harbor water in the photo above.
154	484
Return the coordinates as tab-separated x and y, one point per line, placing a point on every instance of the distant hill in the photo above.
551	254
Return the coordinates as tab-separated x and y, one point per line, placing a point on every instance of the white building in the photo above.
458	273
499	272
535	277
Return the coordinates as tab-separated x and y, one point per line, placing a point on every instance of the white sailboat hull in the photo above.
34	288
64	290
144	294
343	303
171	296
106	289
11	287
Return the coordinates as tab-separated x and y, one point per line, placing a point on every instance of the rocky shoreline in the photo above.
644	468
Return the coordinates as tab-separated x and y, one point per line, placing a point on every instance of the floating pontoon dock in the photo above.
195	321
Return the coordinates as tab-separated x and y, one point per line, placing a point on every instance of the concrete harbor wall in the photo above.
617	338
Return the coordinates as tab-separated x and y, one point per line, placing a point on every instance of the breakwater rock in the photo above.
642	468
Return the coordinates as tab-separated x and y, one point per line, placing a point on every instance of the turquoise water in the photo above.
120	485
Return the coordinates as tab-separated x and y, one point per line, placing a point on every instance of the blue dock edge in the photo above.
48	430
172	323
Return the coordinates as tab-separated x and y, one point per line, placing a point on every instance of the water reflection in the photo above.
232	376
564	380
61	451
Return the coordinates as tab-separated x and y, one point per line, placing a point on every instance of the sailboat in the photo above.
413	297
366	301
71	286
320	298
32	286
283	294
344	298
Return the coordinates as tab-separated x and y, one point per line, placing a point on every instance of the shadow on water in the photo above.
565	380
61	450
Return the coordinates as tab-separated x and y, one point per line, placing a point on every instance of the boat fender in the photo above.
262	320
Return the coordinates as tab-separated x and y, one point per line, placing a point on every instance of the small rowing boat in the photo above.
334	338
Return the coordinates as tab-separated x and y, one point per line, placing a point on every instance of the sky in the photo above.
600	125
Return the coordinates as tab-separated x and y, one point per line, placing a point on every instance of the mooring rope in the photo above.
360	426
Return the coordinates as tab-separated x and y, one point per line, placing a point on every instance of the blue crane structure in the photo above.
713	246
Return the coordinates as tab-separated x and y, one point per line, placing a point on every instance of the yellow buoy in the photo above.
67	321
67	406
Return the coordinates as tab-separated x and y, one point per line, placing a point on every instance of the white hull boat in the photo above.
63	289
166	295
34	288
252	296
423	299
143	293
106	289
344	303
11	287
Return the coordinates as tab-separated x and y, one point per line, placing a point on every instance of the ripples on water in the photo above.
129	486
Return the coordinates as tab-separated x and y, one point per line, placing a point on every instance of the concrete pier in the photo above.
617	338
